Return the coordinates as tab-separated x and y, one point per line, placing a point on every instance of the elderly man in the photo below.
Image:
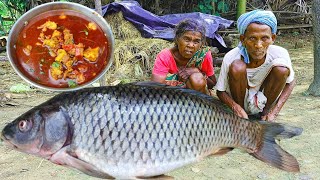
256	77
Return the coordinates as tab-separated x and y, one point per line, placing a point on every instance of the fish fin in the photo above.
148	83
160	177
184	90
68	159
222	151
210	99
271	153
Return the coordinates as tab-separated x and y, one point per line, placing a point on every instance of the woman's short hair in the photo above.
190	25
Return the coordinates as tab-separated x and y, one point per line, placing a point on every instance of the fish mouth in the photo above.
7	142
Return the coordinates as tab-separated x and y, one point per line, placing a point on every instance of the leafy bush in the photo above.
11	10
214	7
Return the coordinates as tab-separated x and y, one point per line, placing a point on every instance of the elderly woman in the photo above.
256	77
189	63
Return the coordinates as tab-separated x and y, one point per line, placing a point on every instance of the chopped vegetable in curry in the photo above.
92	26
61	46
91	54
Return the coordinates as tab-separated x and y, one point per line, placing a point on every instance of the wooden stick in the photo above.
234	31
98	8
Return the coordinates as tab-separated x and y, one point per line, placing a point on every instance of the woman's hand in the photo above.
185	73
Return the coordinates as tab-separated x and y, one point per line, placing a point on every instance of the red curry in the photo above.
62	49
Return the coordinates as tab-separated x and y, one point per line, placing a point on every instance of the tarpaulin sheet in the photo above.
154	26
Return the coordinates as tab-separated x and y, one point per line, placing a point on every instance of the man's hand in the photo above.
236	108
185	73
274	111
239	111
270	116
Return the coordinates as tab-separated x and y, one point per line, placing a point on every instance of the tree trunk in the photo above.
241	7
314	88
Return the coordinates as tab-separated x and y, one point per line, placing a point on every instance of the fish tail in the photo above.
271	153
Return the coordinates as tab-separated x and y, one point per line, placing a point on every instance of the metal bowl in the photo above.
25	18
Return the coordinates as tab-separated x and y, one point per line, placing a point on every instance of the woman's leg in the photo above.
197	82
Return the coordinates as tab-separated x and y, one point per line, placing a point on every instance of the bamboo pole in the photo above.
241	7
98	8
97	5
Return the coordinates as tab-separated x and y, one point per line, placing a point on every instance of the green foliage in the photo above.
295	33
223	6
214	7
205	6
11	10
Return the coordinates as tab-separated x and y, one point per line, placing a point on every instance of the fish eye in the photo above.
24	125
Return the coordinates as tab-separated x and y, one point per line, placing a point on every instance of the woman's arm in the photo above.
158	78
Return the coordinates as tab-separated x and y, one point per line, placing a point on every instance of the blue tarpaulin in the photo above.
154	26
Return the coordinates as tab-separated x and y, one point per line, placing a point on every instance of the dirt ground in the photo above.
300	110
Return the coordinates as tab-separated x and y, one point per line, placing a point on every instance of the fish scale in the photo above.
144	130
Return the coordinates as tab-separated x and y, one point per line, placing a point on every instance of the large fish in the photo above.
141	130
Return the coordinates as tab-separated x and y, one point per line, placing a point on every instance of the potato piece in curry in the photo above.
91	54
66	52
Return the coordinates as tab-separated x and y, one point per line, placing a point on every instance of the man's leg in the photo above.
197	82
238	82
273	85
